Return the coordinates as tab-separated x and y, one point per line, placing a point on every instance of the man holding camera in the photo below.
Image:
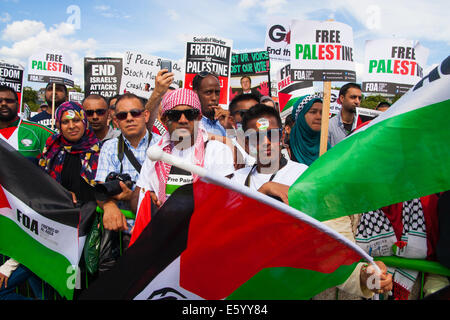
124	155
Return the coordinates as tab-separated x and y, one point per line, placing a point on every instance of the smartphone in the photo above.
166	64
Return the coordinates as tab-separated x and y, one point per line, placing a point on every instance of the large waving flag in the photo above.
402	154
39	225
219	241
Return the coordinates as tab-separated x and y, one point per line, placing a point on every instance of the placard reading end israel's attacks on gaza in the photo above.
322	51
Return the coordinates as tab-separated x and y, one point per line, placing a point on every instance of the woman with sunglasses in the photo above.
305	134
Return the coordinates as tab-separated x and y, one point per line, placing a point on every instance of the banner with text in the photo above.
212	54
102	76
254	66
278	35
392	66
140	70
50	66
11	75
322	51
288	90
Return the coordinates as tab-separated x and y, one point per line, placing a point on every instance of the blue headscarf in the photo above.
304	142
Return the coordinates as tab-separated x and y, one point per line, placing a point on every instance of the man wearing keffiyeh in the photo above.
186	138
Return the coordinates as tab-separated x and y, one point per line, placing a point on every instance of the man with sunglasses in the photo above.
272	174
186	138
124	155
238	107
206	84
96	109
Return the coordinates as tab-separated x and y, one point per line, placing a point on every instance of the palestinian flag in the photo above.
39	225
401	155
289	92
216	242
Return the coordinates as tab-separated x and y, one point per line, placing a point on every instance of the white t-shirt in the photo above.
218	159
287	175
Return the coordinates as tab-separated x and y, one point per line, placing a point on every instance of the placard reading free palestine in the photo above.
392	66
50	66
322	51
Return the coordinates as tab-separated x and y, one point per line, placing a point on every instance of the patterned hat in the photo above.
301	102
180	97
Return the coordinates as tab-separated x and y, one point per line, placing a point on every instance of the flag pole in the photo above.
155	153
53	106
325	115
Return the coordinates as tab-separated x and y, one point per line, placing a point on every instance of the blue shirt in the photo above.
108	162
213	126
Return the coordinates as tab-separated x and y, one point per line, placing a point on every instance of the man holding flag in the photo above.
273	175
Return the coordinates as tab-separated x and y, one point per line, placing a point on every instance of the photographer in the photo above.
120	159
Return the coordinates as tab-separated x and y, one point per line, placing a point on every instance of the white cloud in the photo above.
5	17
245	4
173	15
102	8
20	30
58	37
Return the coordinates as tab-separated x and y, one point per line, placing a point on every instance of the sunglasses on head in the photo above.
99	112
134	113
175	115
273	135
7	100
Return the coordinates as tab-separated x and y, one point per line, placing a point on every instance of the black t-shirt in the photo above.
348	127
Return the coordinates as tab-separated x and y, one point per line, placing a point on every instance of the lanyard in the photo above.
283	162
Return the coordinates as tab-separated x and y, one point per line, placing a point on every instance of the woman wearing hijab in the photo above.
305	134
71	156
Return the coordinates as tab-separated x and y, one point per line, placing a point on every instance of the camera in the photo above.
111	187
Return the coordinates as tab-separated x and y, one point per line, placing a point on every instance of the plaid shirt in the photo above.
109	161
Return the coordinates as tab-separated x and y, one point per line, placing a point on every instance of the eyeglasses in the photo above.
134	113
99	112
273	135
175	115
7	100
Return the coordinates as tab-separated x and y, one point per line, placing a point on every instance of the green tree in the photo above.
30	97
370	102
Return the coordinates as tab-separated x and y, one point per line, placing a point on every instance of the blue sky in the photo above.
109	28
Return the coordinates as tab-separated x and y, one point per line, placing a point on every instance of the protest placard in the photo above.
278	36
288	91
392	66
102	76
11	75
211	54
140	70
50	66
76	96
252	65
322	51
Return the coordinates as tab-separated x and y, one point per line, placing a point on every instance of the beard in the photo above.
57	103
